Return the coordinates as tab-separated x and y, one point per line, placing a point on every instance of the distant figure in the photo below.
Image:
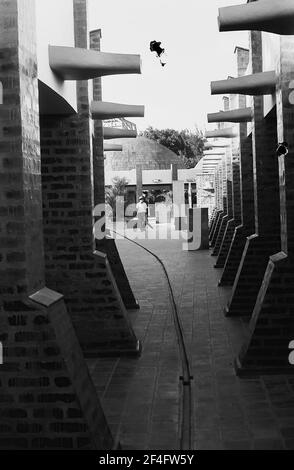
141	213
155	47
145	198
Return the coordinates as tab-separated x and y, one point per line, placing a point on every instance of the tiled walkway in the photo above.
141	397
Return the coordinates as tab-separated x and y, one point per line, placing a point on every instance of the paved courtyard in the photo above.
141	397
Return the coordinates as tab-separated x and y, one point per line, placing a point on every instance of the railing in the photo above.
120	123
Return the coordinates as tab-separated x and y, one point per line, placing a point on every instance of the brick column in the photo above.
223	240
47	399
227	204
219	203
85	278
272	326
222	218
247	210
106	245
246	227
98	152
229	252
266	239
174	171
223	201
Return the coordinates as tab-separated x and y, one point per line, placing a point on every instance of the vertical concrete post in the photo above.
179	204
174	171
139	180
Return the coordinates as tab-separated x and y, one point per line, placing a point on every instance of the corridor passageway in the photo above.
141	397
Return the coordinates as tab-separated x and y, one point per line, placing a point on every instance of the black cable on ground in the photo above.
186	438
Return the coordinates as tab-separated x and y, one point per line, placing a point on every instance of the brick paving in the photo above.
141	397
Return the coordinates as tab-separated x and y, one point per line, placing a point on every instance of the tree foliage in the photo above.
187	144
118	188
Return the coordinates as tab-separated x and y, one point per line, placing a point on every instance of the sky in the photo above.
177	95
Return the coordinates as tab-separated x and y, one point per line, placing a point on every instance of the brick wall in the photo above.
47	399
21	258
234	241
266	239
98	153
272	325
107	245
85	279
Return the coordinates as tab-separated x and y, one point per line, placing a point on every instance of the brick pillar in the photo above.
222	218
219	203
272	326
247	211
226	233
47	399
223	200
217	209
266	239
242	187
107	245
98	152
85	278
227	203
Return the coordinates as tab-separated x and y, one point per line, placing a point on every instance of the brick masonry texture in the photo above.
242	56
47	399
272	326
20	180
220	201
247	210
43	373
85	278
266	239
106	245
227	201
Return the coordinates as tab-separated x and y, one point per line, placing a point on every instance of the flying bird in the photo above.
155	47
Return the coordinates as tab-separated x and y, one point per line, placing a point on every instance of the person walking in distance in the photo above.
141	213
146	200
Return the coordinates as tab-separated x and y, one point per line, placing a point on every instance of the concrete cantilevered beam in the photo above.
274	16
106	110
226	133
112	147
214	152
234	115
212	145
263	83
73	63
117	133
